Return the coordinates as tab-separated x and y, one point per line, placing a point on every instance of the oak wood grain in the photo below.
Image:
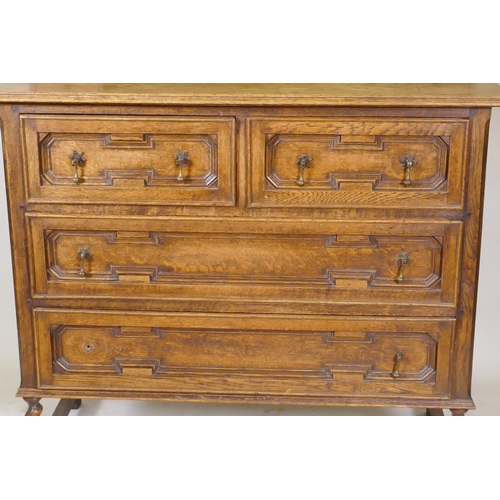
406	94
243	354
356	162
129	159
239	285
325	263
145	395
124	204
16	200
471	248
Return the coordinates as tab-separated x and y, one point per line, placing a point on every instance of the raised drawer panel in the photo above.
387	163
332	262
258	354
129	159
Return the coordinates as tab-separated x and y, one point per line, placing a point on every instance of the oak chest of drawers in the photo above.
302	244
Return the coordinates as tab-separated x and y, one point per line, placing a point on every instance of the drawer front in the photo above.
260	354
326	163
266	261
129	159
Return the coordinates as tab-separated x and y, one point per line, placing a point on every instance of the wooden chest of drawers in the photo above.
303	244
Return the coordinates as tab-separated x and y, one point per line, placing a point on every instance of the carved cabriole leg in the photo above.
35	408
65	406
434	412
458	413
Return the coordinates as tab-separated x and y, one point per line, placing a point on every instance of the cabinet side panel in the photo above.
471	246
15	185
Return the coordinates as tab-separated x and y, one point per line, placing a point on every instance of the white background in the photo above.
271	41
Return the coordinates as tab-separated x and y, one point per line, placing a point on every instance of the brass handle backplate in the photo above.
303	162
84	254
77	160
409	161
403	262
181	160
398	358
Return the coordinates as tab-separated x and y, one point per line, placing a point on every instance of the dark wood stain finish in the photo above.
65	406
236	281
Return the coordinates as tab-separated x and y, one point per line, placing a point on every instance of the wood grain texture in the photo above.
241	355
121	205
471	248
129	159
406	94
324	263
239	285
356	162
145	395
16	200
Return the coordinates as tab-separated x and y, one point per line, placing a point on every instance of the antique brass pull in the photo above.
398	357
84	254
403	262
181	160
303	161
77	160
408	163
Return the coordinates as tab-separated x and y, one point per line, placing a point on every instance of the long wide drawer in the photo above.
120	160
357	162
230	354
267	261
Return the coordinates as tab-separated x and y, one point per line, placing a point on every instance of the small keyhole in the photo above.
88	347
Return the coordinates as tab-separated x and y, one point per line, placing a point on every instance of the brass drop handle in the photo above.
403	262
398	358
303	162
181	160
409	161
77	160
84	254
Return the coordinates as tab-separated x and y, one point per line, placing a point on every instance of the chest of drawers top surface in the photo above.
301	243
406	94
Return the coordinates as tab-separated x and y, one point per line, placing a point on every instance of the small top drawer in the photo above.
120	160
385	162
